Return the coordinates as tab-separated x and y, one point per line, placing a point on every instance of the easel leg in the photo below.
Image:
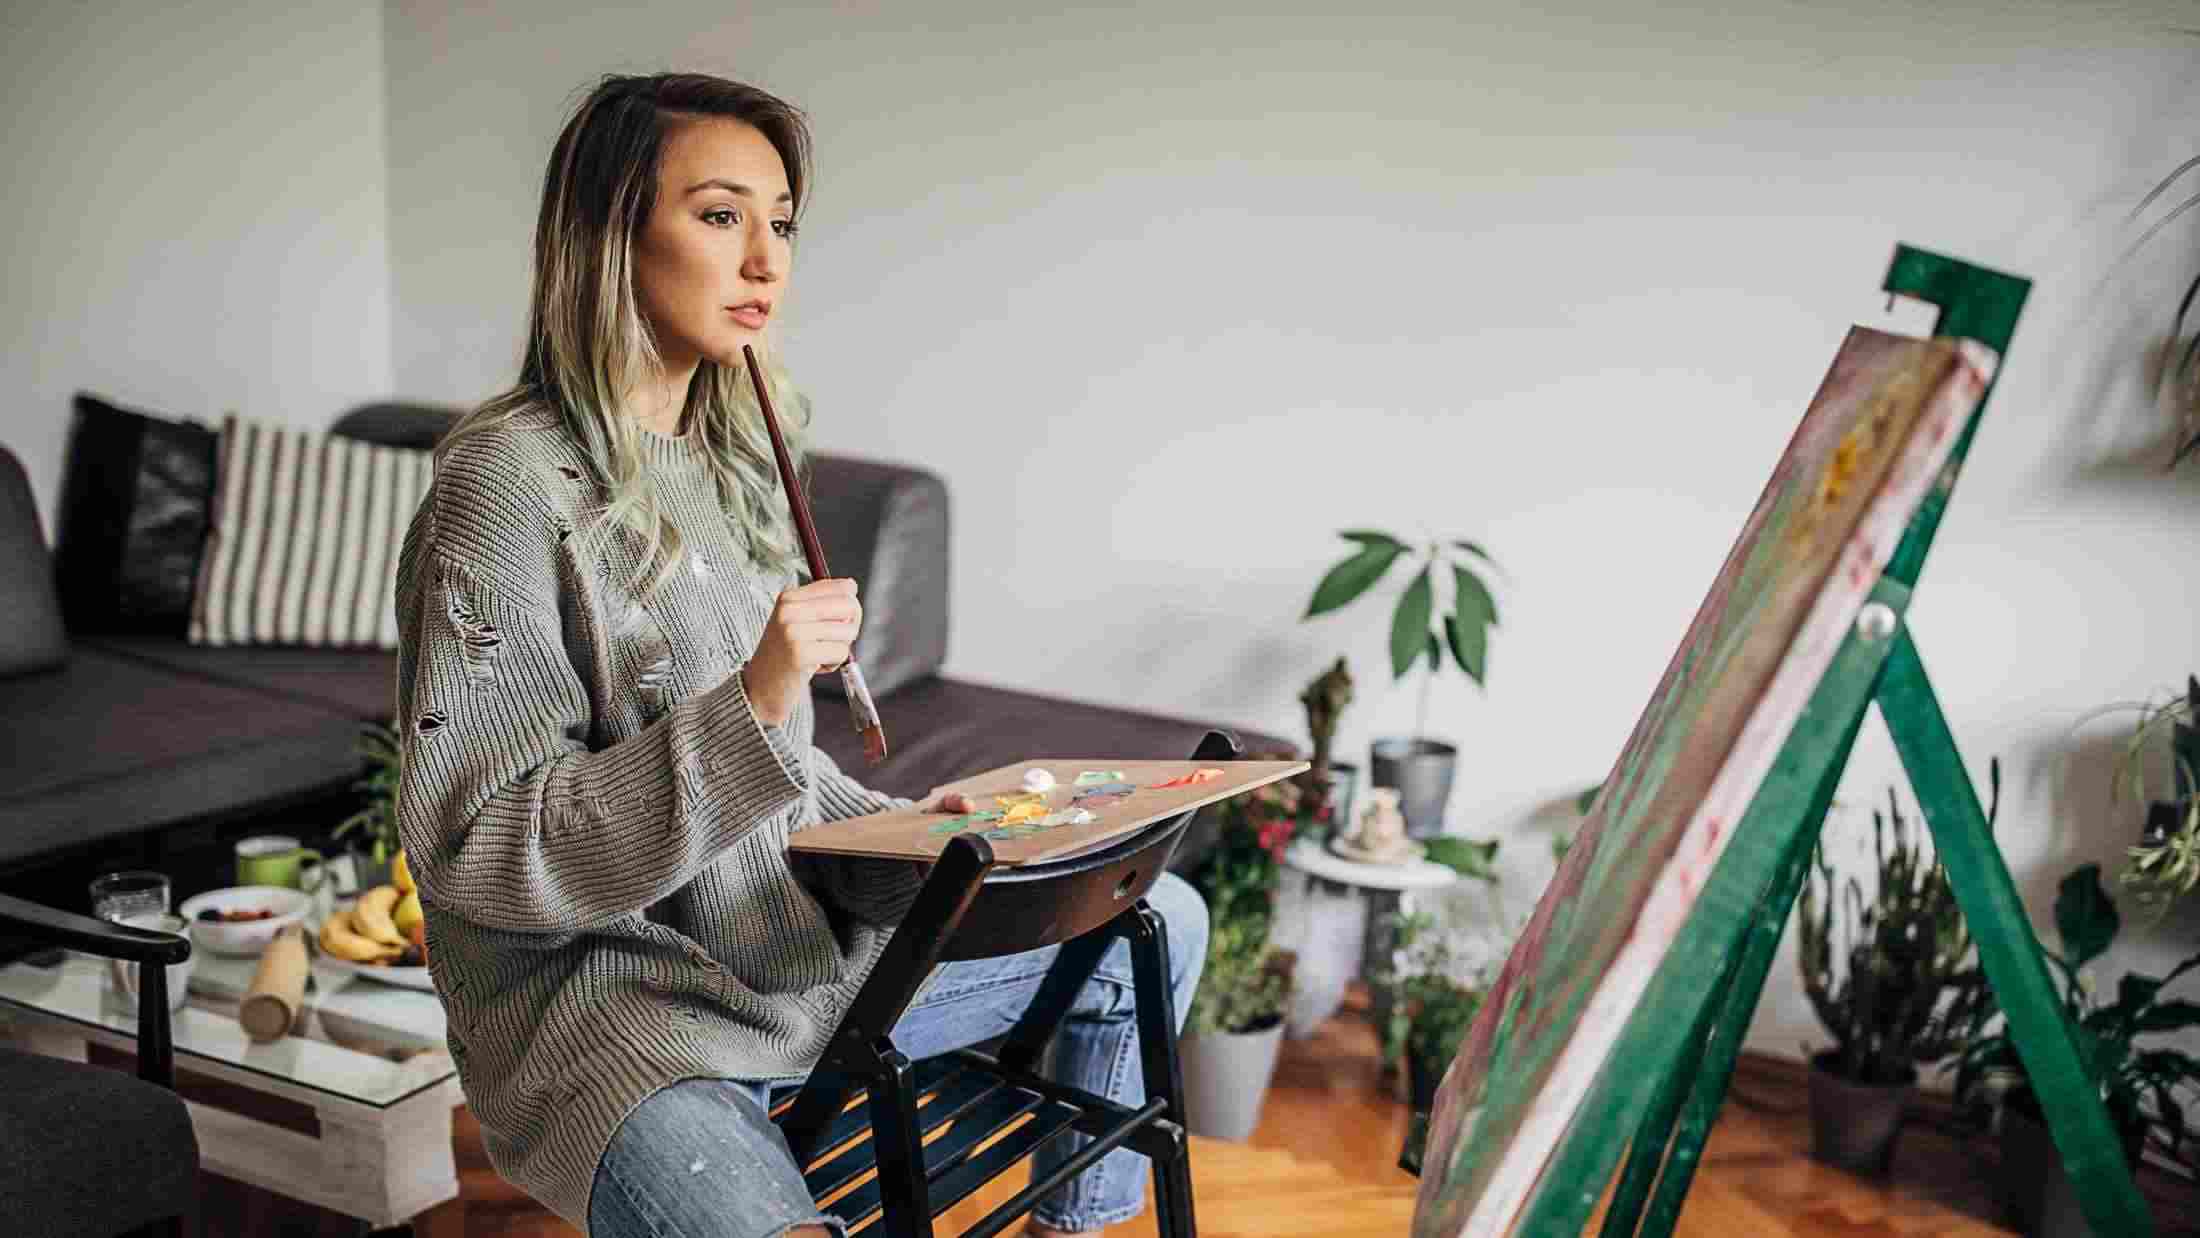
1719	1030
2007	950
1745	987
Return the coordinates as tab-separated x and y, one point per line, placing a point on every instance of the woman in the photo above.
603	687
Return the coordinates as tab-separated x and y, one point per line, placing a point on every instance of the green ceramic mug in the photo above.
277	860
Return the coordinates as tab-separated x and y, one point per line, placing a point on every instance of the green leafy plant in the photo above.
2178	380
1909	982
376	820
1416	636
2165	866
1440	963
1245	984
2146	1086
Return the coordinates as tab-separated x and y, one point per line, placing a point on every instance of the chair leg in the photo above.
1164	1077
898	1140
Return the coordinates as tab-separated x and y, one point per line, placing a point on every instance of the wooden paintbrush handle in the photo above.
812	548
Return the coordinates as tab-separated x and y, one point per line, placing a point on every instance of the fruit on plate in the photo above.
340	936
419	932
372	912
407	915
400	873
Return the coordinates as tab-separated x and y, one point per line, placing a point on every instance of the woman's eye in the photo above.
784	227
711	215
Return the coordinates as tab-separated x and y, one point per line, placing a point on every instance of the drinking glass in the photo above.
133	892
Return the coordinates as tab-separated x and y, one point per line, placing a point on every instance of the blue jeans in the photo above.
701	1158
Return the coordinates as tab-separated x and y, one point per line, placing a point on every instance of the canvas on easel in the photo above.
1080	804
1614	1024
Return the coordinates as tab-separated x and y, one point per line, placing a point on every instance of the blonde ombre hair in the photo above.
588	343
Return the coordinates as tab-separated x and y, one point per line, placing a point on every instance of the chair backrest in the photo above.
1041	904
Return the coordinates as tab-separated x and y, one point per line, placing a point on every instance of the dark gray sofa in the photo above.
142	748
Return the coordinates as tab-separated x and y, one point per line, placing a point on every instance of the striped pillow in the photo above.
305	530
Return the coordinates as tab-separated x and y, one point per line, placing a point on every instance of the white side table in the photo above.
1343	920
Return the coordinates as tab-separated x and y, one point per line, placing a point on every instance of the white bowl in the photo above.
244	937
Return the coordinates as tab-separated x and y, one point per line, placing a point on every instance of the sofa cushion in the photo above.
133	518
885	525
397	424
109	746
304	536
360	683
89	1151
31	634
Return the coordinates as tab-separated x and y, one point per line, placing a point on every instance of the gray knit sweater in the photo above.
598	821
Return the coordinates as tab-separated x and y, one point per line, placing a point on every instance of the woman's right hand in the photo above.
811	629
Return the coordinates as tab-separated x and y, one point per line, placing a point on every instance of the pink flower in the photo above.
1275	835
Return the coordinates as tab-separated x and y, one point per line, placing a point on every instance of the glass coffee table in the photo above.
368	1060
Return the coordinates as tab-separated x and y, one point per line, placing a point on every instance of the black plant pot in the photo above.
1421	771
2036	1195
1853	1125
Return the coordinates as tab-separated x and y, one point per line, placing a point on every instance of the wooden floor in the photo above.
1323	1162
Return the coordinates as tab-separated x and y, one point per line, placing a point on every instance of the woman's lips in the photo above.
750	316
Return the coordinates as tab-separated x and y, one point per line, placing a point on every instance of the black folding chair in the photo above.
968	911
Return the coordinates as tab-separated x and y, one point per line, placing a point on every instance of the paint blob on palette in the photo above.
1047	808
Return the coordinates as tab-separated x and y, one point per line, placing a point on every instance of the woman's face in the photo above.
710	263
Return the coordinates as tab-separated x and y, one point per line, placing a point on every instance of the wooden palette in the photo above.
912	834
1869	450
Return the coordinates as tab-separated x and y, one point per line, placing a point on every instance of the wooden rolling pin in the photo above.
270	1007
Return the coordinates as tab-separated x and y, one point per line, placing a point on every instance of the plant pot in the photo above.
1344	784
1421	770
1226	1078
1423	1076
1853	1125
2036	1195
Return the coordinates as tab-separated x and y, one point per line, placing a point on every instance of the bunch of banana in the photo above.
366	932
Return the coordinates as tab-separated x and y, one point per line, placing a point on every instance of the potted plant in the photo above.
1419	766
1896	981
1449	944
1329	783
2165	866
2144	1083
1234	1028
376	840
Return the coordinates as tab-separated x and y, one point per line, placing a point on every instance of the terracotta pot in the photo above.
1853	1125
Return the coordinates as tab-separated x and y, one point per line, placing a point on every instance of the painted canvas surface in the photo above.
1871	446
1084	803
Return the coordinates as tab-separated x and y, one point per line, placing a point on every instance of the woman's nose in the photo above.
761	263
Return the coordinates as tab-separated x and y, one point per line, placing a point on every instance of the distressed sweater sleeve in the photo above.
874	890
509	819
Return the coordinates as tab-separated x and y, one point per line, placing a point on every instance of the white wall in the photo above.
1170	299
196	219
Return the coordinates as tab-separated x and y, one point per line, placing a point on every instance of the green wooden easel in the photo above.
1667	1075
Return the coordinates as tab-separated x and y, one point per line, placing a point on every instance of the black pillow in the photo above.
133	519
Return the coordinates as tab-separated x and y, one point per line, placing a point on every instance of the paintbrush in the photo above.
863	711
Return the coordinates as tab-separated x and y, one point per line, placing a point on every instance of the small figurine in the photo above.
1379	834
